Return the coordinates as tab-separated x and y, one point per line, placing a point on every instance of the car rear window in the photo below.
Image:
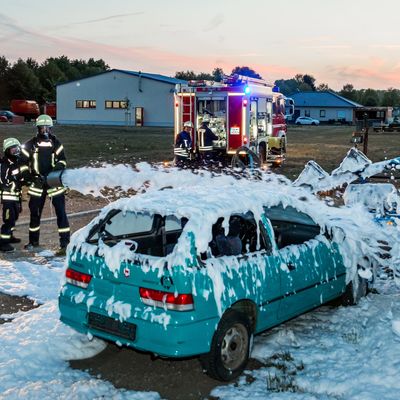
153	234
130	223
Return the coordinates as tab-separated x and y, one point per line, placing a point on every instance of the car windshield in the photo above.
151	234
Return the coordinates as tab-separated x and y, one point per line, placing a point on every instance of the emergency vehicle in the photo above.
245	113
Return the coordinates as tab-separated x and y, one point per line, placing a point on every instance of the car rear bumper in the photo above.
157	331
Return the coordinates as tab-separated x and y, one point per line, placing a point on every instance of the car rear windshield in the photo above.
152	234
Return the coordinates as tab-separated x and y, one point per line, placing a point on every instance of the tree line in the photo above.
27	79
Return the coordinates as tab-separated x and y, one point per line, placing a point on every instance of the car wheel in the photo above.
313	123
298	123
351	297
230	347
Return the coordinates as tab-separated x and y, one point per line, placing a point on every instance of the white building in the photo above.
118	97
326	106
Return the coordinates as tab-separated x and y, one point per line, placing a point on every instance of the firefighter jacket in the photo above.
12	176
206	137
42	157
183	144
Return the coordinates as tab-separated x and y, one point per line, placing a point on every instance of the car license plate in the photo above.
100	322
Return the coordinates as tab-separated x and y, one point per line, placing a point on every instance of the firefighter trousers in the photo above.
36	204
11	211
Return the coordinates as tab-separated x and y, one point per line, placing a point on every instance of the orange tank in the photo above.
29	109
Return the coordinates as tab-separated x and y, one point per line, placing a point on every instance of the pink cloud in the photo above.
377	75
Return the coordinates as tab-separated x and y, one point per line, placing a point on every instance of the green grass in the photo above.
87	145
327	145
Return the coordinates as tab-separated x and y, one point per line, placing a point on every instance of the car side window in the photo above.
173	229
288	233
240	239
291	227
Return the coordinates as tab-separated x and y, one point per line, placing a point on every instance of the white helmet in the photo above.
188	124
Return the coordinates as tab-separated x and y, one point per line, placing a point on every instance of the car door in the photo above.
253	275
271	293
302	269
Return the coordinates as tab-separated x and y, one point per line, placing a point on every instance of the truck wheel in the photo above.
230	347
351	298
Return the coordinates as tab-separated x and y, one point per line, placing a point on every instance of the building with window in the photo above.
118	97
327	107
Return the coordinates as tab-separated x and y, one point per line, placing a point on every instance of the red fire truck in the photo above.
245	113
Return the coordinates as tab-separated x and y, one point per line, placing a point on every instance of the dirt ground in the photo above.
75	203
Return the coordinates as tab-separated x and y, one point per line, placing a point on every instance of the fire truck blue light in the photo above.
247	90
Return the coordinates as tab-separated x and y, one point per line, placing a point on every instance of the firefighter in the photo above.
12	175
206	137
45	153
183	144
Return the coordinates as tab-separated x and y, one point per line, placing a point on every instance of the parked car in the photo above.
382	200
307	121
8	114
158	273
394	125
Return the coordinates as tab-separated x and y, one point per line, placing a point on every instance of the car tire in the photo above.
230	347
351	297
313	123
298	123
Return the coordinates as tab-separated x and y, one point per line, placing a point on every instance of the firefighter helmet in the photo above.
10	142
44	120
188	124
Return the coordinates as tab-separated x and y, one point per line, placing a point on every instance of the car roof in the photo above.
205	200
204	204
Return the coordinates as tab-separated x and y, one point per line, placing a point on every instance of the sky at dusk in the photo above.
336	41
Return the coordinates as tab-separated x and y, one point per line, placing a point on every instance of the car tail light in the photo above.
168	300
77	278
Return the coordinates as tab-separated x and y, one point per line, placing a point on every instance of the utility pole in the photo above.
366	127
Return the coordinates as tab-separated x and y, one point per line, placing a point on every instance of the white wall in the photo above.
156	98
330	113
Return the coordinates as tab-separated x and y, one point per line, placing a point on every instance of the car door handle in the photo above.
291	267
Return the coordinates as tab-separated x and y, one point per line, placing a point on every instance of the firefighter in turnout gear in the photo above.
183	144
45	153
206	137
12	175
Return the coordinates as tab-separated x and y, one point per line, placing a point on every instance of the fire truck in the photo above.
247	115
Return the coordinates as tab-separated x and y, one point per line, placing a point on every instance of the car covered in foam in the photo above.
150	272
382	200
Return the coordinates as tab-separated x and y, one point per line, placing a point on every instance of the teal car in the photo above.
181	281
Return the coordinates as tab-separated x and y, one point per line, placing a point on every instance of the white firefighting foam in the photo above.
352	228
